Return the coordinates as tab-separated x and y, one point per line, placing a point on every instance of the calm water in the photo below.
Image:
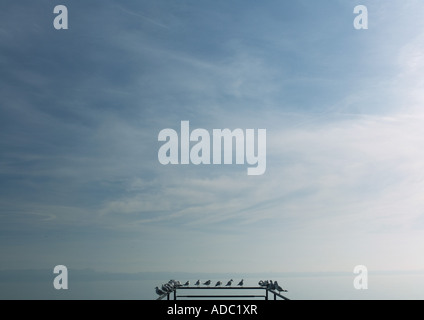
317	287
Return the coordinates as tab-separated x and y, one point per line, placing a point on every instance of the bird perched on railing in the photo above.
241	283
263	283
171	286
166	288
229	283
218	284
159	291
278	288
197	283
271	285
187	283
175	283
207	283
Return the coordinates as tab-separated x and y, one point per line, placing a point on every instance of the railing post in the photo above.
175	294
275	296
167	296
266	296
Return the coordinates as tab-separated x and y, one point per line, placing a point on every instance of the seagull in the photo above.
197	283
229	283
207	283
271	285
187	283
263	283
170	285
219	283
159	291
278	288
174	283
240	283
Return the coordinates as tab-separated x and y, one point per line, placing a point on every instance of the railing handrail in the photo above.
276	294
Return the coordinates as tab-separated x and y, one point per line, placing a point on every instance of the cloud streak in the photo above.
81	112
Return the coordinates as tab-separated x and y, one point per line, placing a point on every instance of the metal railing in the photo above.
267	293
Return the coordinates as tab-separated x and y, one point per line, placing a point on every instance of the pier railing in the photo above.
255	292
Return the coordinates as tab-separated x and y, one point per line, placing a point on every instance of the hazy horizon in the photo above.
92	285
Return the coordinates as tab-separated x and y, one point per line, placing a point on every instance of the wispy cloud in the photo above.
81	112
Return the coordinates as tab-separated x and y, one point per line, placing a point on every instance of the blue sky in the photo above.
81	110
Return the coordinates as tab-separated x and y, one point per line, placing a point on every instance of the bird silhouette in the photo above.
175	283
187	283
197	283
159	291
271	285
229	283
218	284
241	283
207	283
278	288
166	287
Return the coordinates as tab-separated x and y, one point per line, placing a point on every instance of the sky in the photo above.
81	110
